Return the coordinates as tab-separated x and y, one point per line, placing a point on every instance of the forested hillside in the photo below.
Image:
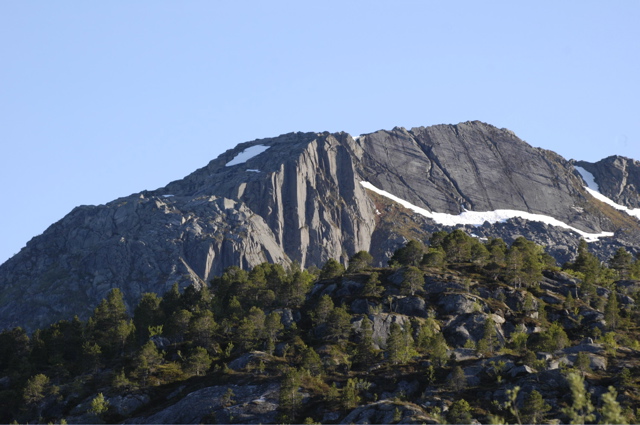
456	330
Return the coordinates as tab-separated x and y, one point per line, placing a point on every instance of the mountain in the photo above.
309	197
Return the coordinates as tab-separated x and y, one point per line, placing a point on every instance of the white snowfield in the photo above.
247	154
477	218
593	188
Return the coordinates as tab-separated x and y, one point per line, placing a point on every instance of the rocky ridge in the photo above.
301	200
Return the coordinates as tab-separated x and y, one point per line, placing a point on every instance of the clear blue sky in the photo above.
103	99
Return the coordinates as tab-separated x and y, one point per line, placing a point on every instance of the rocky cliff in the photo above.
618	178
298	197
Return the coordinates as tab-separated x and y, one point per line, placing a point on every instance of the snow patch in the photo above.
593	188
588	179
477	218
168	196
254	171
247	154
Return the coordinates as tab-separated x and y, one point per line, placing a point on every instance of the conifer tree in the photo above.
338	324
99	406
612	311
457	246
290	397
438	351
202	329
323	309
373	288
110	326
581	411
147	361
587	264
534	408
273	327
409	255
489	340
621	262
365	353
198	361
460	412
583	363
413	280
359	261
332	269
147	314
458	381
611	411
400	344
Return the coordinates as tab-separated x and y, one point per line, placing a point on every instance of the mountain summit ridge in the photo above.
300	198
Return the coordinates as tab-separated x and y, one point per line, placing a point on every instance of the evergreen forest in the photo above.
453	330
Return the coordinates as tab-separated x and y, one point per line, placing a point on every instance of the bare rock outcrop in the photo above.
298	197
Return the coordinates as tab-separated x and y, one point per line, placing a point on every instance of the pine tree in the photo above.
457	380
534	408
394	343
435	257
583	363
413	280
332	269
489	341
460	412
457	246
324	307
365	353
409	255
587	264
294	290
273	327
36	389
148	313
350	394
581	410
202	329
438	351
621	262
290	397
359	261
99	406
147	361
554	338
373	288
311	361
110	326
198	361
338	324
611	411
612	311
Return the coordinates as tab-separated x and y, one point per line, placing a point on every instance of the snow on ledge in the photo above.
477	218
588	179
247	154
593	188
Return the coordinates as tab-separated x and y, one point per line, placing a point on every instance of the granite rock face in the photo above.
298	197
618	178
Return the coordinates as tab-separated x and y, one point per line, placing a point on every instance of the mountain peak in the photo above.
299	197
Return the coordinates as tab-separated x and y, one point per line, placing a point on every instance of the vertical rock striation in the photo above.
298	197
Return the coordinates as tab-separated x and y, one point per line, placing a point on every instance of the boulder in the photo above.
383	412
125	405
456	304
411	306
249	404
